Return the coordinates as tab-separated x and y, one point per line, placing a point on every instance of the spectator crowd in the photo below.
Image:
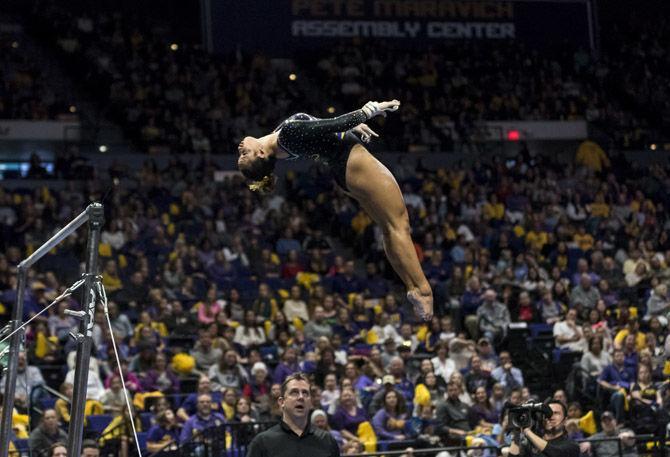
217	294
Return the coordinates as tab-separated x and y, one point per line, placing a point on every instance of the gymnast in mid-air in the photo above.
335	143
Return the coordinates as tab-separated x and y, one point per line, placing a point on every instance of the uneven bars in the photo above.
17	317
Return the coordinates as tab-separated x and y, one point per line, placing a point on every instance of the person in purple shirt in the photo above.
617	378
203	419
221	270
389	421
482	411
583	268
165	434
161	377
348	415
402	383
287	366
359	380
190	403
631	358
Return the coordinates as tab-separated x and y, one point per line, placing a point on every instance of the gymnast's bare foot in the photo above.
422	303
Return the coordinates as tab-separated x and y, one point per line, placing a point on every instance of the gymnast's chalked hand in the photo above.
365	132
393	105
372	109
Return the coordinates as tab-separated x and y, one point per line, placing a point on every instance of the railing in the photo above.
653	445
644	444
453	450
232	440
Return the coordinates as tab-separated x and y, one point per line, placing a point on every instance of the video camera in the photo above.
529	414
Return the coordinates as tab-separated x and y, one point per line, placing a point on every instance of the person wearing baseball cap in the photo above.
610	429
388	383
487	354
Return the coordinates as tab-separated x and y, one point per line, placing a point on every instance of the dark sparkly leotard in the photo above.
328	141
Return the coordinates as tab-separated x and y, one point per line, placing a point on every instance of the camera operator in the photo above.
553	442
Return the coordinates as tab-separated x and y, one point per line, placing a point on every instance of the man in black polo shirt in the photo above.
453	416
553	443
294	436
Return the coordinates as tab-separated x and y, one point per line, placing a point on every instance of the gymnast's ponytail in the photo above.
260	171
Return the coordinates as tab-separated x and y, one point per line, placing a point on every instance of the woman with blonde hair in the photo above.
348	415
464	396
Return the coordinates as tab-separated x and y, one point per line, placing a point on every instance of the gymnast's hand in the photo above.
365	132
372	109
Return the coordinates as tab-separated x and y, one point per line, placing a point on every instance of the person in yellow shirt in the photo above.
146	321
599	208
637	201
454	178
19	425
360	222
632	329
449	233
120	429
62	406
537	238
110	277
583	239
493	210
591	155
228	403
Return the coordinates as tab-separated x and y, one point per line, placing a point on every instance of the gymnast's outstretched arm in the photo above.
341	123
318	127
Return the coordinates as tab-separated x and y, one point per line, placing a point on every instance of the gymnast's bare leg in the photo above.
377	191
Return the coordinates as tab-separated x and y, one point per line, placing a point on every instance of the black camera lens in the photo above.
521	419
